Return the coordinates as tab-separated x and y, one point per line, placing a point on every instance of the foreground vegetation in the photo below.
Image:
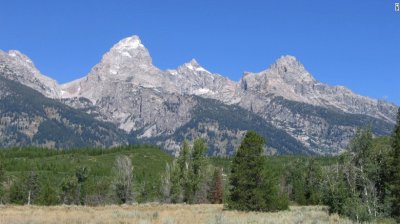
54	176
162	214
49	174
363	183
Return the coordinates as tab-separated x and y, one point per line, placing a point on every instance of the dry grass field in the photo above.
160	214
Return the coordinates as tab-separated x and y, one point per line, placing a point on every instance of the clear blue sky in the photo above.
350	43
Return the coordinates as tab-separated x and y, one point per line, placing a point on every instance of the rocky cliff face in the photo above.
285	103
18	67
29	118
288	78
322	117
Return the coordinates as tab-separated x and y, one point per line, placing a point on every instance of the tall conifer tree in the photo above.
395	171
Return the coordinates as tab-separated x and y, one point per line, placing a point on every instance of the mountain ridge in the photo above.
126	89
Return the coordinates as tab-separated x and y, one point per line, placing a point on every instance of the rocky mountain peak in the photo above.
18	67
127	57
288	64
193	65
128	44
129	49
19	56
290	70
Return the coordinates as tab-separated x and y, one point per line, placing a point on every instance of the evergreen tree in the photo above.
395	171
197	172
188	182
81	173
313	181
2	177
69	188
217	188
360	149
304	179
26	189
250	189
32	185
18	193
296	183
176	183
183	163
48	194
358	173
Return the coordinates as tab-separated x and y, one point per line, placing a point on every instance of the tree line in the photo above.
362	183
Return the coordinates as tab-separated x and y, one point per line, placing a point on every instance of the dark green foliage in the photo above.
176	184
360	149
32	186
26	189
357	185
183	173
217	188
59	171
303	181
2	177
197	173
335	190
186	180
53	177
18	193
251	186
395	171
81	174
69	190
48	194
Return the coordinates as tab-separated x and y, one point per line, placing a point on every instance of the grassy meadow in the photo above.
161	214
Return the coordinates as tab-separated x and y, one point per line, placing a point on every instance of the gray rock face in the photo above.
25	72
29	118
157	106
288	78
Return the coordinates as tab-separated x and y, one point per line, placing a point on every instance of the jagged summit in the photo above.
194	63
287	70
125	88
127	57
130	48
287	59
128	44
194	66
19	55
16	56
288	64
25	72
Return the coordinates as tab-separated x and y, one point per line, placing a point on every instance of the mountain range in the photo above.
126	99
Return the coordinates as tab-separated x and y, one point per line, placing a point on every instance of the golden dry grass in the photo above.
160	214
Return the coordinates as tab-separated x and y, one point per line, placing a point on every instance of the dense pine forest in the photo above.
362	183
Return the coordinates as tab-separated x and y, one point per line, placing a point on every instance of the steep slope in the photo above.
289	78
25	72
324	131
129	62
163	107
192	79
29	118
223	127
